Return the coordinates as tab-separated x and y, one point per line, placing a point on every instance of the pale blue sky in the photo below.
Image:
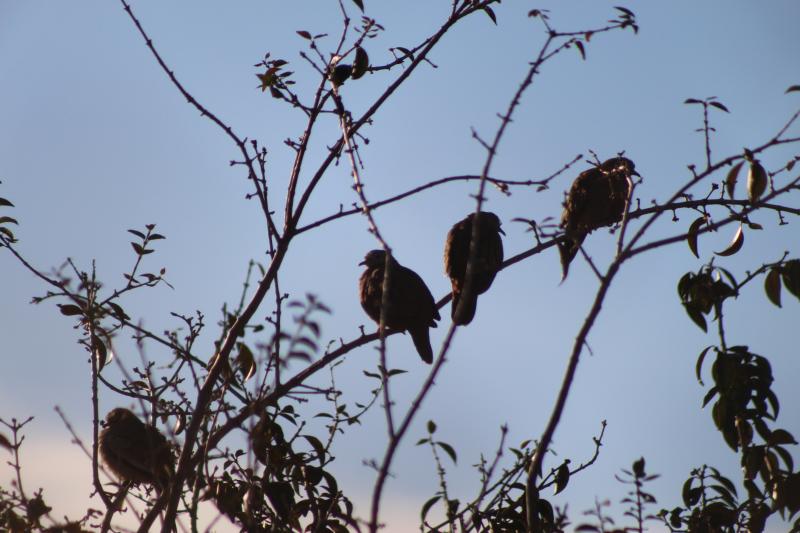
95	140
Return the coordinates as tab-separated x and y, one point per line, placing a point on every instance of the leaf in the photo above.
137	248
561	479
319	449
304	34
491	14
431	426
156	236
772	286
360	4
360	64
781	436
246	361
791	276
137	233
8	220
100	351
448	449
756	181
626	11
5	203
8	233
691	236
732	178
427	506
718	105
699	366
792	89
579	46
735	245
5	443
692	101
69	309
697	317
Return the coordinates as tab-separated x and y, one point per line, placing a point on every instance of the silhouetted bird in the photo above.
135	451
410	305
488	259
596	199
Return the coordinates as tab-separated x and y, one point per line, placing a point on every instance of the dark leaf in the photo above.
156	236
697	317
690	495
781	436
792	89
5	443
449	450
137	248
626	11
431	426
732	178
100	352
736	243
360	64
757	181
70	310
691	236
8	220
790	272
772	286
579	45
491	14
692	101
137	233
561	479
699	366
5	203
719	106
360	4
304	34
427	507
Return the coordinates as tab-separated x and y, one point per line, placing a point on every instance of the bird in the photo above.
410	305
488	260
596	199
135	451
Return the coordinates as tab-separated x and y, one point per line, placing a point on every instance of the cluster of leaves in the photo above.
637	499
5	220
20	513
705	290
293	487
789	273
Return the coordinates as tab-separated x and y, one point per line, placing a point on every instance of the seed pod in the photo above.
756	181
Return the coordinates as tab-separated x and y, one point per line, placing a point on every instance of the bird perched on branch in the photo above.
596	199
135	451
409	306
488	259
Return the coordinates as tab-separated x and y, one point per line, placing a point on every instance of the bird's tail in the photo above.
468	307
422	341
568	248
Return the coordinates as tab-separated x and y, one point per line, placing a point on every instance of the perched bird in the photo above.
596	199
488	259
410	304
135	451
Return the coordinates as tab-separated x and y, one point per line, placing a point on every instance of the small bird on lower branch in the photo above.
135	451
409	306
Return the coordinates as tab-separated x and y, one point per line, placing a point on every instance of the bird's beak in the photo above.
636	173
501	231
364	262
